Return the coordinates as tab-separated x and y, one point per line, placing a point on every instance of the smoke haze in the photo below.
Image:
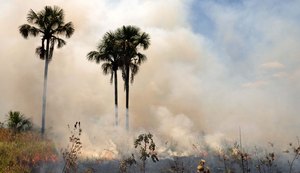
212	67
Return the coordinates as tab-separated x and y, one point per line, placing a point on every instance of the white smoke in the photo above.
191	82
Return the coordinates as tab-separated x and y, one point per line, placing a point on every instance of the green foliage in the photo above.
48	22
17	122
108	53
147	148
130	39
19	154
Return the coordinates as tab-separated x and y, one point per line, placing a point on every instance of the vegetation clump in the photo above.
71	153
127	162
17	122
21	149
295	152
147	149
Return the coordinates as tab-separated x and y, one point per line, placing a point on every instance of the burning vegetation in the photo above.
22	149
26	151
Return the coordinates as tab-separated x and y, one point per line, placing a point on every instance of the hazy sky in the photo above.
213	66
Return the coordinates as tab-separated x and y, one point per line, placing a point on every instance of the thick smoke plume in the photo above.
212	67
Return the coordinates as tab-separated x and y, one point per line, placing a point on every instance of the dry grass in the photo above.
24	151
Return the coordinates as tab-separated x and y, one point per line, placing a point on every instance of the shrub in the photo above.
17	122
70	154
147	149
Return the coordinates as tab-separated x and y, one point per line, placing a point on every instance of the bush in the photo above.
17	122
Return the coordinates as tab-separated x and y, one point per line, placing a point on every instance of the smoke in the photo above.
212	67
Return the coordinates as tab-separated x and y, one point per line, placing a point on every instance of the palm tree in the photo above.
17	122
49	24
129	39
107	52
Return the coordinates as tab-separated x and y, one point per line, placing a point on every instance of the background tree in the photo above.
129	40
17	122
107	52
147	149
49	24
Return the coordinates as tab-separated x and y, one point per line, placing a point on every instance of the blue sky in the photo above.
239	30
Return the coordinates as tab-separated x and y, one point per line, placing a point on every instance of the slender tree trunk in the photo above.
144	160
127	97
45	88
144	166
116	98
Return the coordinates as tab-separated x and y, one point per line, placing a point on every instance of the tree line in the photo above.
117	51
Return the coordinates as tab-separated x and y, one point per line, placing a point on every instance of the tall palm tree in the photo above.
49	24
107	52
129	40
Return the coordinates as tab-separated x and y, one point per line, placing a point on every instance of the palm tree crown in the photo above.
50	24
130	38
107	53
17	122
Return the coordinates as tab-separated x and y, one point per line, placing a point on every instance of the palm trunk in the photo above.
127	97
144	166
144	160
116	98
45	88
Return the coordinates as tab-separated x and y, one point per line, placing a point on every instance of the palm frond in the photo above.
26	30
52	43
134	70
123	69
67	29
139	58
107	68
60	42
110	36
58	13
32	17
93	56
34	31
144	40
40	51
105	52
